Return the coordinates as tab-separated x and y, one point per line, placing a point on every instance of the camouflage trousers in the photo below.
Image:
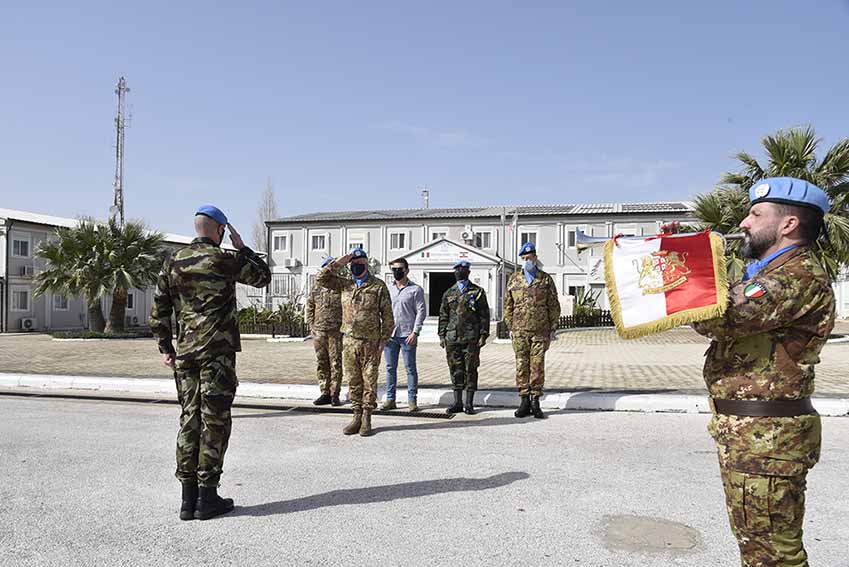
766	514
463	362
328	357
205	389
530	363
361	359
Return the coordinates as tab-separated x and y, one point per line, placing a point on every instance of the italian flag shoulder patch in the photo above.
754	291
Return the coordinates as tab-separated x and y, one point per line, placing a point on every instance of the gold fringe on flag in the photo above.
720	273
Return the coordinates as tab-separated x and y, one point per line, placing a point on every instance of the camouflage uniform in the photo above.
324	317
198	284
367	322
765	348
531	312
463	320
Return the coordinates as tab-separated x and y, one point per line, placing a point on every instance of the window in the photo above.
319	242
437	233
281	243
355	244
397	241
529	237
283	285
20	247
575	290
571	239
60	303
483	240
131	301
20	300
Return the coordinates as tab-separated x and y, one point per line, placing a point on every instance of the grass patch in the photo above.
140	334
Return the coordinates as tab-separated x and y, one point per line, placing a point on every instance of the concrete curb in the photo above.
581	401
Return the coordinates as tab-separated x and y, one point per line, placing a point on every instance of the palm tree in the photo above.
132	257
790	153
75	267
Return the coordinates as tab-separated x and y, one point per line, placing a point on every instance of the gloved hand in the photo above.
442	343
482	341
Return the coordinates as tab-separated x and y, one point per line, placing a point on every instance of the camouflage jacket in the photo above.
366	311
324	309
198	284
464	315
765	348
532	308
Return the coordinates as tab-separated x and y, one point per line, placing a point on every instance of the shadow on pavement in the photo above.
459	422
385	493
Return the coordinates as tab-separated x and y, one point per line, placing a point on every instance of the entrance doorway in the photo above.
438	284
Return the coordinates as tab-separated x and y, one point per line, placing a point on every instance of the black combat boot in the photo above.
524	408
470	402
209	504
322	400
190	496
535	409
458	403
335	401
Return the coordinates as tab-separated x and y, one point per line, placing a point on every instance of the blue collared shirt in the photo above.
408	308
463	284
361	281
529	276
754	267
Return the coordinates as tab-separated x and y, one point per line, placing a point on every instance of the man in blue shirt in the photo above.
408	308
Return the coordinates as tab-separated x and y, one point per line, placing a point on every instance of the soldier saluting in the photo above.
760	371
367	324
198	285
463	330
324	318
531	311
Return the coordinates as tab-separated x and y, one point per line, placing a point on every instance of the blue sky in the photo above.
357	105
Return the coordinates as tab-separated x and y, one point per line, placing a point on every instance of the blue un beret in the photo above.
327	261
358	253
462	264
527	248
790	191
212	212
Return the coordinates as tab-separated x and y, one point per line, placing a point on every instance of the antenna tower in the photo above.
116	211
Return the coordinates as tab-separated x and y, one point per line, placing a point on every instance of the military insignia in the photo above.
661	271
762	190
754	291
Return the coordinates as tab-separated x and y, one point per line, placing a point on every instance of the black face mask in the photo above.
358	269
398	274
461	275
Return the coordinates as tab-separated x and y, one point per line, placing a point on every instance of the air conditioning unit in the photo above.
132	321
468	234
29	323
290	263
27	271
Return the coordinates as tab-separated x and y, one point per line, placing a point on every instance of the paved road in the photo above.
90	483
583	360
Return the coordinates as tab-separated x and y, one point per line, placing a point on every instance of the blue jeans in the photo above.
390	353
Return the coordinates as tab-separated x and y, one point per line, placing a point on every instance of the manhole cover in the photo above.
639	533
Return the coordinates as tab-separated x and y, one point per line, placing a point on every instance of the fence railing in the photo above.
597	318
289	328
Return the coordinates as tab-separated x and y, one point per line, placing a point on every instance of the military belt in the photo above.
763	408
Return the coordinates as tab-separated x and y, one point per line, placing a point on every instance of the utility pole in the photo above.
116	211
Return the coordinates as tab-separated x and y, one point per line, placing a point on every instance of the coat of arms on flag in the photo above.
659	283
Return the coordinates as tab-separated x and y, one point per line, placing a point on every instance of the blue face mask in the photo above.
530	266
358	269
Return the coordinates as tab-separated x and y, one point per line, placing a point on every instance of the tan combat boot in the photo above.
355	424
365	428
